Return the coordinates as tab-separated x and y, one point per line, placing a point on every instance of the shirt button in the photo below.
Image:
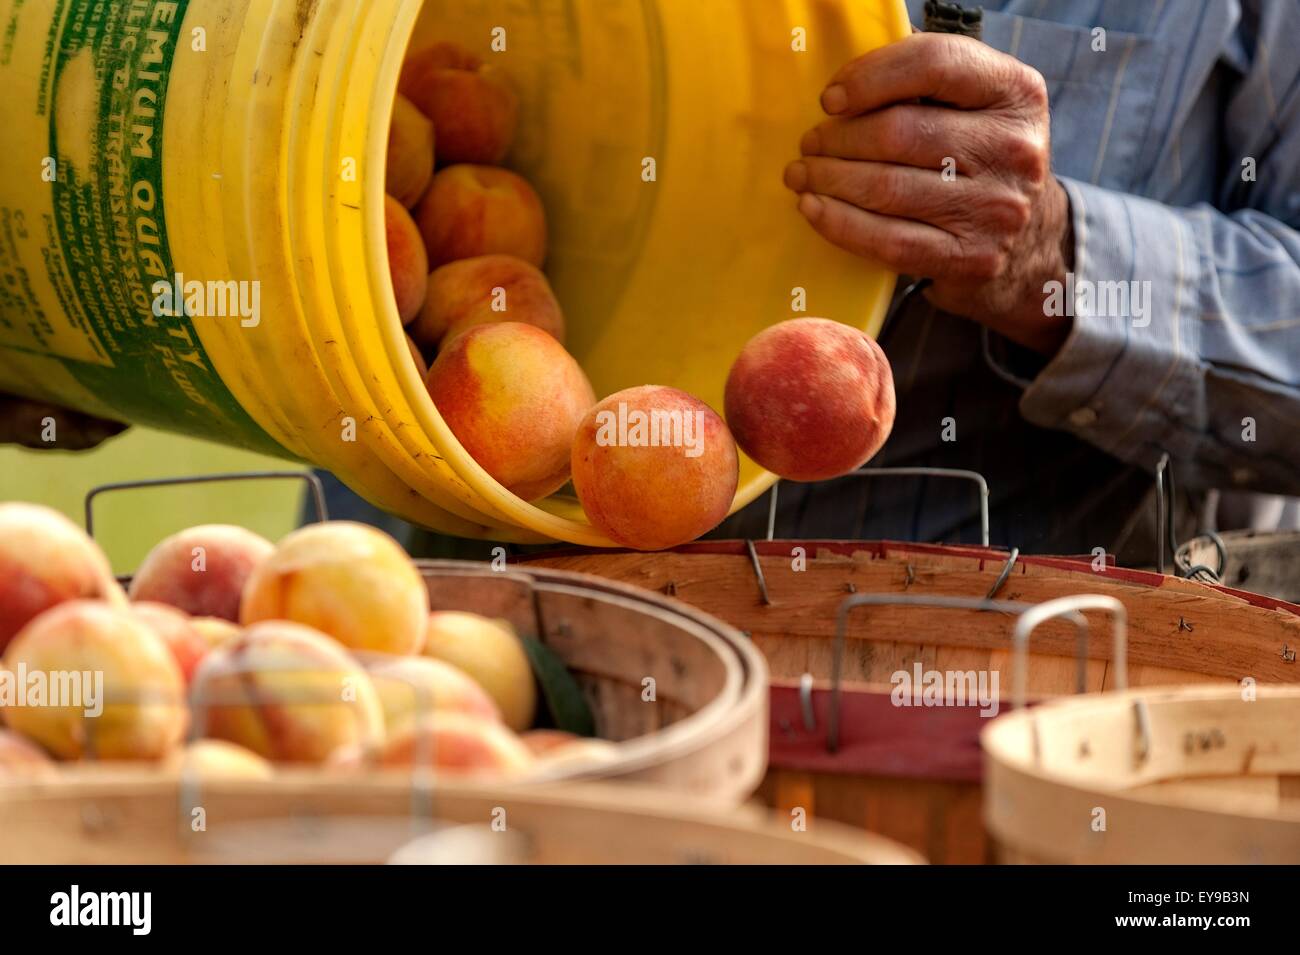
1083	417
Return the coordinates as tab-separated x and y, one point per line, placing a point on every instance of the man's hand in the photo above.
992	229
35	424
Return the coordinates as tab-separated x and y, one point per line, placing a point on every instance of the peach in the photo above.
654	467
119	690
46	559
201	570
408	263
217	759
543	741
438	56
417	356
513	397
411	687
473	108
349	581
470	211
491	653
185	641
484	290
577	755
215	630
288	693
810	399
458	743
21	759
410	153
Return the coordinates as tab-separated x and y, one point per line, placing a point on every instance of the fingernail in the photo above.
835	99
796	176
811	144
811	206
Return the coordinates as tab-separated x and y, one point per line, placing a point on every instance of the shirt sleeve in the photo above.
1186	340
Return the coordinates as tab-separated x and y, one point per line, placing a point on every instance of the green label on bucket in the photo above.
137	346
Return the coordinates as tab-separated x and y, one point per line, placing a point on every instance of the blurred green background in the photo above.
128	523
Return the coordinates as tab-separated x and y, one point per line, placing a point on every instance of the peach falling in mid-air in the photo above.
810	399
654	467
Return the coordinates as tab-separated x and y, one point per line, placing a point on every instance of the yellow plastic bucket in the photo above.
243	142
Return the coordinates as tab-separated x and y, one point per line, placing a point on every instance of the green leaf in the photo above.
565	702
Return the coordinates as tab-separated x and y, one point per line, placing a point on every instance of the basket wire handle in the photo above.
847	605
314	487
1166	529
1070	608
973	476
1183	559
1166	532
1004	574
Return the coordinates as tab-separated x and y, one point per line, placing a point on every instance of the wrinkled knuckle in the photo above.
921	129
1032	86
1026	154
897	133
984	264
1009	212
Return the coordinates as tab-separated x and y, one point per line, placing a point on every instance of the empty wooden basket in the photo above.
1177	776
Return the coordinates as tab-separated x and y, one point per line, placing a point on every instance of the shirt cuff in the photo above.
1128	372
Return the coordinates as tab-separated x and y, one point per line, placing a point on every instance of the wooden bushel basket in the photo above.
1178	776
141	818
913	773
702	731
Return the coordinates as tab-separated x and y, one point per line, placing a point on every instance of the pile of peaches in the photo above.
807	399
231	656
